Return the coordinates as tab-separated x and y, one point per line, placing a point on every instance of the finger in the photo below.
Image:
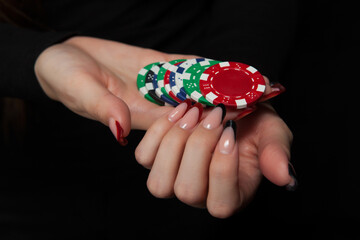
191	183
165	167
93	100
271	90
236	114
114	112
274	151
146	108
118	115
223	197
180	56
146	150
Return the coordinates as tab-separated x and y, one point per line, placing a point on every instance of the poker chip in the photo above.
176	77
171	69
234	84
155	70
160	79
149	84
191	81
141	83
209	82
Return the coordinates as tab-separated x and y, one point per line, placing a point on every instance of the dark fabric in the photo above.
256	32
19	51
71	179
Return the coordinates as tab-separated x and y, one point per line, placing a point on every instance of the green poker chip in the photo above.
191	81
160	77
206	81
141	82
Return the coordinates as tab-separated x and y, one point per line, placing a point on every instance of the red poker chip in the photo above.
168	86
236	85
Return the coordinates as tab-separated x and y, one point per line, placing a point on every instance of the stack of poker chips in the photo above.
207	81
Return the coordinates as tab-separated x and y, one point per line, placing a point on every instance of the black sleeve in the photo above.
257	32
19	49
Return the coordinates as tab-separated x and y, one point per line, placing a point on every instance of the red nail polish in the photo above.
119	135
189	103
201	109
276	88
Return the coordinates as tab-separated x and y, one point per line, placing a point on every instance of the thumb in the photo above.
98	103
114	112
274	155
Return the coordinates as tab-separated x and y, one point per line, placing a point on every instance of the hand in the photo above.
96	79
204	166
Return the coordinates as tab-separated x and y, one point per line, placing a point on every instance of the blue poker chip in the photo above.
176	77
155	69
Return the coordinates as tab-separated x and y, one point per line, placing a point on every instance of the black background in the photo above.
71	179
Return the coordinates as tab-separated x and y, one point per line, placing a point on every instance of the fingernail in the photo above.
276	89
228	138
190	119
293	183
244	112
118	132
215	117
200	107
189	103
179	111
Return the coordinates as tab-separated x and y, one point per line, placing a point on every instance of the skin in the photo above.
190	165
96	79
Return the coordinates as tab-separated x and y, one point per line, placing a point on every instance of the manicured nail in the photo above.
215	117
179	111
190	119
293	183
228	138
189	103
276	89
118	132
201	109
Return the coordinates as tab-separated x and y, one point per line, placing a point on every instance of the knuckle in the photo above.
221	171
158	189
187	195
142	158
221	210
156	128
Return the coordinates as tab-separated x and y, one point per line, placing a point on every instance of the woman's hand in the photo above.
205	165
96	79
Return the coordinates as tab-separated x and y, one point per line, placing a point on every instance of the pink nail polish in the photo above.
215	117
190	119
178	112
228	138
